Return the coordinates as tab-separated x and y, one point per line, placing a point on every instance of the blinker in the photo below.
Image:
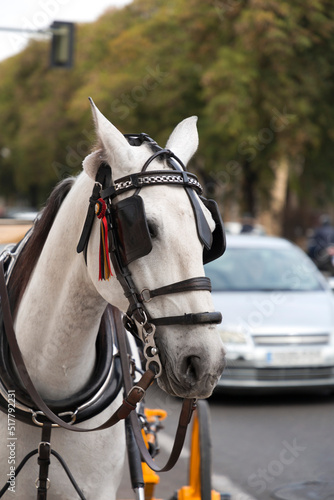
133	232
218	245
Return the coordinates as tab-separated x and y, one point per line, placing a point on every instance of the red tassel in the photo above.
104	260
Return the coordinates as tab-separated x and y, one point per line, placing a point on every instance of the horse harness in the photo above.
46	418
124	222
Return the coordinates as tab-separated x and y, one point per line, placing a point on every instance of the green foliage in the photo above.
258	73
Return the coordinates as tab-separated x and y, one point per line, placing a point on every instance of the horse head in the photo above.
169	224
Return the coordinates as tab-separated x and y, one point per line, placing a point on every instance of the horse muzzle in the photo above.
194	375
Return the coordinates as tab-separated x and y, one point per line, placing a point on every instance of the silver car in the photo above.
278	316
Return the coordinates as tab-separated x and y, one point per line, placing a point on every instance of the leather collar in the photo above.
106	380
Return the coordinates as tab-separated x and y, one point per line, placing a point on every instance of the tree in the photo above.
258	73
269	96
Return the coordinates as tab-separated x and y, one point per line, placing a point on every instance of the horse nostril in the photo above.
192	369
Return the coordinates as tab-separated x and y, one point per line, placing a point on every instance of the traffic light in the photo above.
62	44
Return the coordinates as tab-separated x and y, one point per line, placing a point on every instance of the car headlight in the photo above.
232	337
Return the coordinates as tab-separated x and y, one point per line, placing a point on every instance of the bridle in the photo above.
129	239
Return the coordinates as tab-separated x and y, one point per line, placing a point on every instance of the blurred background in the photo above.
257	73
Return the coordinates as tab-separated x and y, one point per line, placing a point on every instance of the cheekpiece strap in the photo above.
103	178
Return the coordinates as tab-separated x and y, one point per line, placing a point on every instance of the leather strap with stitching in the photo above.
188	285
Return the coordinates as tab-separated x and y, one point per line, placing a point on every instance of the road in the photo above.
263	448
267	443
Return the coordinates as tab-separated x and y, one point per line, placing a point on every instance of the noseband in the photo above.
127	237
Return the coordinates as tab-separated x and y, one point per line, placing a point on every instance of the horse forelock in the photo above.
28	258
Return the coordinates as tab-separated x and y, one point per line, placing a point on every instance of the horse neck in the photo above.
60	312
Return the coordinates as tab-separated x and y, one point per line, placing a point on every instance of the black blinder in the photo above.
218	246
132	228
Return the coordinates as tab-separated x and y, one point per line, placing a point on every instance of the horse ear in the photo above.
92	163
183	141
115	148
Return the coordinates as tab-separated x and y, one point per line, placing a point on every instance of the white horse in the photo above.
59	314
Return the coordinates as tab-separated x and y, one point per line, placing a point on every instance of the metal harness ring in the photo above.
63	414
48	483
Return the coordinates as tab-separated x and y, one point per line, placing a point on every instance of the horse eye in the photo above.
153	230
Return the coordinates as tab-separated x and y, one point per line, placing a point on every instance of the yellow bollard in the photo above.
151	479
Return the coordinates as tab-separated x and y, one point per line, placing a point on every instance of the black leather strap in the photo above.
189	319
203	228
189	285
86	230
43	460
103	178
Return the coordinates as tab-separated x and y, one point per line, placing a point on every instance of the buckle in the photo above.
139	389
44	443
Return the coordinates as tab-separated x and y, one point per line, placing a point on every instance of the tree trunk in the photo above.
248	191
272	218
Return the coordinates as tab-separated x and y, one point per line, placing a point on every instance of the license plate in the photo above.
294	358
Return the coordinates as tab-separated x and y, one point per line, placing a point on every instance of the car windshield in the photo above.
263	269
